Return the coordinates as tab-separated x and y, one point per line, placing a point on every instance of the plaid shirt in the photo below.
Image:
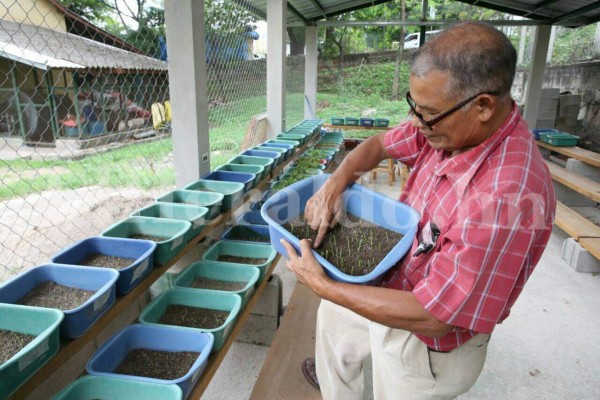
494	206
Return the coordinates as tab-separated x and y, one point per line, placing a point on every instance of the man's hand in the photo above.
324	209
306	267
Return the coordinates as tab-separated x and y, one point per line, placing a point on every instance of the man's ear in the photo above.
486	107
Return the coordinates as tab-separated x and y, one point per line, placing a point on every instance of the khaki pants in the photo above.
403	366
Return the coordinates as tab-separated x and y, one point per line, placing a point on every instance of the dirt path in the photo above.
32	229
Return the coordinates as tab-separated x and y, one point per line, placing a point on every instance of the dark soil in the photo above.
11	343
242	260
157	364
214	284
246	234
53	295
354	246
193	317
206	190
148	237
102	260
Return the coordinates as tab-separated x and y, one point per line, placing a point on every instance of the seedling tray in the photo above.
381	122
101	281
244	178
231	273
260	231
141	251
242	250
43	323
257	170
162	338
212	201
233	192
262	147
93	387
289	203
277	157
265	162
194	214
210	299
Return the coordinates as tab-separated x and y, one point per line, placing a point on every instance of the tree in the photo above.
297	40
92	10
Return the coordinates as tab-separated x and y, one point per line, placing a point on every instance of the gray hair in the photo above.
476	57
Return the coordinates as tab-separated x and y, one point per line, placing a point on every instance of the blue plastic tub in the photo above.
285	152
366	121
261	232
367	204
251	218
95	128
198	298
230	273
161	338
538	132
294	143
257	170
141	251
277	158
233	192
212	201
196	215
244	178
91	387
78	320
273	143
43	323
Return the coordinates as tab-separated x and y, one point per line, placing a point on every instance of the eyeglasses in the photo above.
432	122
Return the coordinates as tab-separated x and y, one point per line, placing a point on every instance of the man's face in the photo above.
456	133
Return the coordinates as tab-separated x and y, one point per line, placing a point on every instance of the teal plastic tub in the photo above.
229	273
289	136
174	231
257	170
43	323
213	300
265	162
91	387
238	249
233	192
351	121
212	201
196	215
381	122
562	139
294	143
284	152
106	360
337	120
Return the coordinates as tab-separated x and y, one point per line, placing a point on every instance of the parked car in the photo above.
411	41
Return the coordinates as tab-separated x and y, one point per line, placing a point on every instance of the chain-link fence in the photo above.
85	135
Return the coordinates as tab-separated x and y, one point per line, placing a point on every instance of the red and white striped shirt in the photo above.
494	205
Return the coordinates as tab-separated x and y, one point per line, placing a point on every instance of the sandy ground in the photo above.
34	228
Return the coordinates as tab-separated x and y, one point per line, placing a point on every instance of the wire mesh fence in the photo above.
85	136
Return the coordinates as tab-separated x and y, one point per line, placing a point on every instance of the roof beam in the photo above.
319	7
541	5
516	9
431	23
291	8
576	13
350	9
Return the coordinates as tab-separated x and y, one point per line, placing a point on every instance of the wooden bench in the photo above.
281	375
580	184
579	228
588	157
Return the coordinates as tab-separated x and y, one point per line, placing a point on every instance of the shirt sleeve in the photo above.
404	143
481	266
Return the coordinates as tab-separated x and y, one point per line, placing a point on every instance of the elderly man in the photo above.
487	205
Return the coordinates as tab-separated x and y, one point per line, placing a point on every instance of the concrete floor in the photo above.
547	349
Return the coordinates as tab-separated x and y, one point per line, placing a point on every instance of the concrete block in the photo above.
579	258
547	114
550	93
558	160
580	168
270	302
570	197
545	123
259	329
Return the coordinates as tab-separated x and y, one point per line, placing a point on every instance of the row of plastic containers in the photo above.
555	137
152	235
367	122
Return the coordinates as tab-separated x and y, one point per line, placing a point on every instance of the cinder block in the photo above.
550	93
580	168
270	301
579	258
547	114
259	329
545	123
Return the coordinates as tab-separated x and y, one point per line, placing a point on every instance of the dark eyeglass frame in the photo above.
447	113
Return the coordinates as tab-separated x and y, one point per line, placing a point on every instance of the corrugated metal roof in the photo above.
564	12
41	47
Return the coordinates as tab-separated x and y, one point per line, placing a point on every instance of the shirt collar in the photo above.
460	169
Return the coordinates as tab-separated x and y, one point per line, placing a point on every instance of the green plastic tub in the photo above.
196	298
238	249
284	152
216	271
351	121
561	139
265	162
212	201
337	120
294	143
289	136
174	231
93	387
233	191
194	214
257	170
381	122
43	323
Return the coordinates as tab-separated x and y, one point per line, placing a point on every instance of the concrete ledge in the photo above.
263	321
579	258
15	143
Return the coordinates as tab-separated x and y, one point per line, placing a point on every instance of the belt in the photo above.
438	351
